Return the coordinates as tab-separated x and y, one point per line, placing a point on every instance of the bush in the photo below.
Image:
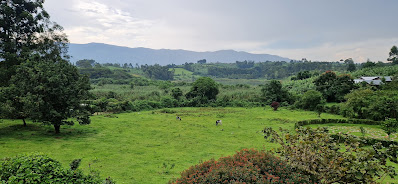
317	153
310	100
249	166
275	105
337	121
39	168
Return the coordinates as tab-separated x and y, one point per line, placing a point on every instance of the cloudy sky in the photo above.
314	29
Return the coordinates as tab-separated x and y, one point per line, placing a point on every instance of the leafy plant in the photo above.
316	153
275	105
390	126
246	166
39	168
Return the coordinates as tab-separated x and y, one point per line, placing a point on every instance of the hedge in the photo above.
337	121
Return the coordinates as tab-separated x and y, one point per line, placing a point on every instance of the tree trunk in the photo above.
57	127
24	122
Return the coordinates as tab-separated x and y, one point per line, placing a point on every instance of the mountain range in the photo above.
104	53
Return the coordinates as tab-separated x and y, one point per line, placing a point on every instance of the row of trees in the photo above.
272	70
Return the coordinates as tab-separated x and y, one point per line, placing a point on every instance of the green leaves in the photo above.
273	92
53	91
39	168
203	90
316	153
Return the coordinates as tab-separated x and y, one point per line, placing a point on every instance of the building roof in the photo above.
374	80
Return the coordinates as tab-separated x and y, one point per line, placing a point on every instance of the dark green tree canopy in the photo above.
53	90
393	55
333	87
310	100
158	72
85	63
350	64
25	29
273	92
203	89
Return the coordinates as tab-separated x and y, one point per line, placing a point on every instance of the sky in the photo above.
318	30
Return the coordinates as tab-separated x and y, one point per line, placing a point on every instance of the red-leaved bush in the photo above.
275	105
246	166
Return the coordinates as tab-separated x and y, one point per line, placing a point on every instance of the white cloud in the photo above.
331	30
102	23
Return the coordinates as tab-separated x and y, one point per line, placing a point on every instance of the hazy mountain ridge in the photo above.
104	53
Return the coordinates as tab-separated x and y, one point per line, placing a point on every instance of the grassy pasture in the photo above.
150	146
371	131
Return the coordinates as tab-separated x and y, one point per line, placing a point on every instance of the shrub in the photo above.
249	166
338	121
310	100
275	105
39	168
317	153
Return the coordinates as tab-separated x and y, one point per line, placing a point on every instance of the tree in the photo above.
273	91
333	87
393	55
158	72
350	65
202	61
317	153
85	63
310	100
52	90
368	64
357	103
25	29
176	93
390	126
203	90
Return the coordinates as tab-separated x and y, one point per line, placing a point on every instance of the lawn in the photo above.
150	146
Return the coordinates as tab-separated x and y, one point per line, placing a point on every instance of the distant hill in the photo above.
104	53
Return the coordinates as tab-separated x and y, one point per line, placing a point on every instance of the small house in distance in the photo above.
376	81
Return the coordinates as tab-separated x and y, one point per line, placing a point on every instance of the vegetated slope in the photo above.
150	146
377	71
104	53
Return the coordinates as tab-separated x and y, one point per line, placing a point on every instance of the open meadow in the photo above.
150	146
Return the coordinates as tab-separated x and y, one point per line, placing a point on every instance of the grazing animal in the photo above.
218	122
178	118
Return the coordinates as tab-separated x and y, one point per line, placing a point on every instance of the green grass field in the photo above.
371	131
150	146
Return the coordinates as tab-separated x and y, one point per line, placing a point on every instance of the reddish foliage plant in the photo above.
246	166
275	105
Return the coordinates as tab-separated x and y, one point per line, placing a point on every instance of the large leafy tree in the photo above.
203	90
25	29
310	100
52	90
35	78
274	92
333	87
393	55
